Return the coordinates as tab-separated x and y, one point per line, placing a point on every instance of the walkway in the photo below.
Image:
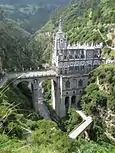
82	127
31	75
81	113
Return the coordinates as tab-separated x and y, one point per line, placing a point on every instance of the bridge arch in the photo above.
25	88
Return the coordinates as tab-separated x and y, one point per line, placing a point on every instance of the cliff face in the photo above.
98	99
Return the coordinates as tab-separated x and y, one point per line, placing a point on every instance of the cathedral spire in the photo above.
60	25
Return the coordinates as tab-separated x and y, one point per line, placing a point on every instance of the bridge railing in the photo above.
88	122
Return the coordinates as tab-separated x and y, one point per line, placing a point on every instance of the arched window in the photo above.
82	54
65	70
73	100
77	68
70	57
76	56
67	84
35	81
82	67
80	83
66	102
89	67
61	70
65	57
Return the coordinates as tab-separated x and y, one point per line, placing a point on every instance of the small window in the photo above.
77	68
76	56
70	57
65	57
82	67
80	83
67	84
61	71
65	70
71	68
82	54
35	81
96	55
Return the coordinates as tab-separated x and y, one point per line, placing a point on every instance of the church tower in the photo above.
60	39
60	44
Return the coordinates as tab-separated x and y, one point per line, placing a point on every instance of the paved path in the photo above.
82	127
81	113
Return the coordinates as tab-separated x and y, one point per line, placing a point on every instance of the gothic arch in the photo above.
73	100
67	84
67	102
80	83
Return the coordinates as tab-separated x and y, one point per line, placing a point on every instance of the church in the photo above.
72	64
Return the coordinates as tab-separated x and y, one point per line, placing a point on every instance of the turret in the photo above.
60	39
60	44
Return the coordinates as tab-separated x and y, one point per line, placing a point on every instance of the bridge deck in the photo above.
36	74
77	131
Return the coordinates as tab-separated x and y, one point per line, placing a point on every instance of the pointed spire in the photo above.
60	25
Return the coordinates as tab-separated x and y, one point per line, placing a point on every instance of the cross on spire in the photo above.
60	25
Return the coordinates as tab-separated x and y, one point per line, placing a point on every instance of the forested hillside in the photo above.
31	15
18	50
82	18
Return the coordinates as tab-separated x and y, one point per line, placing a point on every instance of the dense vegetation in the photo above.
21	50
18	50
31	15
98	101
46	136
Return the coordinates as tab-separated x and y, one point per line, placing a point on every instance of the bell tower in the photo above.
60	43
60	39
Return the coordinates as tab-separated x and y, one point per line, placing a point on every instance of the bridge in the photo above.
29	76
24	76
32	74
82	127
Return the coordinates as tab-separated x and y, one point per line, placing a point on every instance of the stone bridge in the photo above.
35	80
31	75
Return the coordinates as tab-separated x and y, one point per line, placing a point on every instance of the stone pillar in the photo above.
38	100
53	93
56	95
37	94
69	101
62	107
